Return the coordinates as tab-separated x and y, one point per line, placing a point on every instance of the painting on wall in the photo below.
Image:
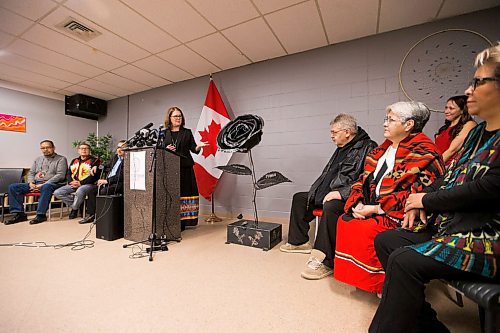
12	123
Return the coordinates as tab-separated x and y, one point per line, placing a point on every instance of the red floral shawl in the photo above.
418	163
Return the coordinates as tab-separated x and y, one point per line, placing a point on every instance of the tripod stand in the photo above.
153	238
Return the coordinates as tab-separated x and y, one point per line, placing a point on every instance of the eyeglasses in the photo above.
46	148
335	132
84	148
177	116
479	81
390	120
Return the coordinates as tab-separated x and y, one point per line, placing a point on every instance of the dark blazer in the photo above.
117	179
185	143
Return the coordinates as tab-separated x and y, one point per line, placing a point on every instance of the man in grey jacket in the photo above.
329	191
47	173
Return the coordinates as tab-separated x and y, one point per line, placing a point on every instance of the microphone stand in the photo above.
153	237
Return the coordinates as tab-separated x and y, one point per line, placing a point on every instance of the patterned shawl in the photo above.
470	164
417	165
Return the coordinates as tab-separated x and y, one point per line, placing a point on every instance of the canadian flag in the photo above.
213	117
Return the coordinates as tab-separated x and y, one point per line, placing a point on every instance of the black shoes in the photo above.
19	217
88	219
73	214
38	219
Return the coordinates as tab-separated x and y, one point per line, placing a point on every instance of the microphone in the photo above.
147	127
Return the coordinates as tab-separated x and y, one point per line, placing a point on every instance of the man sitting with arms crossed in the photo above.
47	173
329	192
83	173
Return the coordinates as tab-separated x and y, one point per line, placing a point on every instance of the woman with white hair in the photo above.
406	162
461	238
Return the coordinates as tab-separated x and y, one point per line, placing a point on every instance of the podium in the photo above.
138	194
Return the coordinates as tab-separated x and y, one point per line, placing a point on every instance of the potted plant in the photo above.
100	146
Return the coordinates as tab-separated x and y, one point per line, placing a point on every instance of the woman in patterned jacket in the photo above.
461	239
406	162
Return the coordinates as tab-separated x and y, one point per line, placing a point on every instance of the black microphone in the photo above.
148	126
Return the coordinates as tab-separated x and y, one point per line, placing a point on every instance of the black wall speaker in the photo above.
109	212
85	106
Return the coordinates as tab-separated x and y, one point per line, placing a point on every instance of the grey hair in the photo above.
346	121
416	111
490	55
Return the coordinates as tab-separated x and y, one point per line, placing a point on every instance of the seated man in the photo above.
329	192
47	173
113	184
83	173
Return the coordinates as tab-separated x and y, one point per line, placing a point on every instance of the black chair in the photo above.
8	176
485	295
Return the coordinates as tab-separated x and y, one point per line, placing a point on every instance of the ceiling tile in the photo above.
162	68
34	66
77	89
53	58
32	77
121	82
13	23
5	39
174	16
219	51
11	82
225	13
183	57
409	13
139	75
104	87
266	6
459	7
338	14
58	42
32	9
107	42
125	22
288	24
244	36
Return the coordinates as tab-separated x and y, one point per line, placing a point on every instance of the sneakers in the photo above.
289	248
73	214
315	269
38	219
88	219
19	217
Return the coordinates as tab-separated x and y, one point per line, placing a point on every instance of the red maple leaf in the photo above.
210	136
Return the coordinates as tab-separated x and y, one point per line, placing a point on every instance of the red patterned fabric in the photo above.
418	164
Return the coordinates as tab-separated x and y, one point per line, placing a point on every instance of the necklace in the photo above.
175	139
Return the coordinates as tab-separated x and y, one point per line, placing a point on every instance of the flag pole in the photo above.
213	218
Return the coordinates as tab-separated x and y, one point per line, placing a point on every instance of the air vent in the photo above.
77	29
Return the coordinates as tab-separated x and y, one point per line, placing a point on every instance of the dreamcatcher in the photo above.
440	66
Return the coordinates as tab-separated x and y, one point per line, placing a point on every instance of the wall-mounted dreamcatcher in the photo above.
440	66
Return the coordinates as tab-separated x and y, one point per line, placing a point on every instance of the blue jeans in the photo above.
74	197
18	190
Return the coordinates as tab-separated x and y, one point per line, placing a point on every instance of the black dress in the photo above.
184	142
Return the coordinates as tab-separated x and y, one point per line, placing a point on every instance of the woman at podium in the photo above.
181	140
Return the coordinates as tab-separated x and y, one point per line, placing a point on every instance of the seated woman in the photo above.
458	123
462	236
406	162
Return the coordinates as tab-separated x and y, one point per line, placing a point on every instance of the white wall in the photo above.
45	119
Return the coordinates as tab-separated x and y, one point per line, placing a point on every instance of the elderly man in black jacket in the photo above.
329	192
